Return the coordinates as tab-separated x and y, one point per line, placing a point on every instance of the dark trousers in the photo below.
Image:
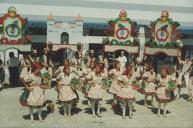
14	76
2	75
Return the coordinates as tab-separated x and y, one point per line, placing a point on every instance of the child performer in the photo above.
36	96
179	82
114	86
95	92
163	95
126	95
66	94
149	81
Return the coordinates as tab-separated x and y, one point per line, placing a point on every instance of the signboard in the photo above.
24	48
113	48
123	29
169	52
13	28
70	47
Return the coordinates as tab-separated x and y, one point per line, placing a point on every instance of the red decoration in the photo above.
162	39
1	20
13	42
122	37
4	41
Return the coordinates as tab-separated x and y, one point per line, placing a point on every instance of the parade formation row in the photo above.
123	82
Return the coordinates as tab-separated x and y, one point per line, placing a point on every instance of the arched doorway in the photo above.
64	38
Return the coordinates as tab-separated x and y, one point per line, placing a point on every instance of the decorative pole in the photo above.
141	42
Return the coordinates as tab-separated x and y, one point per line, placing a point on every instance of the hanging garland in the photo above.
155	44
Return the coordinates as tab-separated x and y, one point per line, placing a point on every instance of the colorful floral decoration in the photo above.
123	30
171	86
106	84
76	84
46	79
14	28
164	33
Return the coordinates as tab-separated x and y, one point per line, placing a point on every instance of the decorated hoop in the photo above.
76	84
106	84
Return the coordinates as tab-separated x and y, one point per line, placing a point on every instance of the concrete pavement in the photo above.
12	114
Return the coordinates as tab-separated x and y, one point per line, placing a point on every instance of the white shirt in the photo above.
123	61
186	66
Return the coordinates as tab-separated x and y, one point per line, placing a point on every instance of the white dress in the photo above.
65	93
150	85
96	92
114	86
123	61
24	71
36	96
162	94
126	92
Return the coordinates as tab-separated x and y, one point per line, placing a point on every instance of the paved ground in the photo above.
12	114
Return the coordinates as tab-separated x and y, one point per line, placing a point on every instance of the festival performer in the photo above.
126	94
81	53
149	78
122	60
36	90
114	86
60	68
185	70
178	79
66	94
2	74
103	60
90	58
77	63
138	66
190	85
26	66
167	85
90	71
95	92
34	56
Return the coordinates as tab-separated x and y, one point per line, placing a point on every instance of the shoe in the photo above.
189	99
177	97
146	105
123	117
31	118
98	114
158	115
151	103
94	116
69	115
164	115
130	117
40	119
65	116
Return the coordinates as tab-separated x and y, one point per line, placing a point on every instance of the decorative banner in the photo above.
163	32
13	28
169	52
24	48
111	48
123	29
58	47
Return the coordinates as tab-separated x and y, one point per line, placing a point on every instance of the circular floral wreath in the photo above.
122	37
162	39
